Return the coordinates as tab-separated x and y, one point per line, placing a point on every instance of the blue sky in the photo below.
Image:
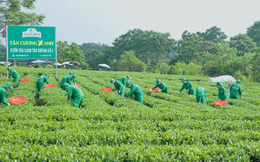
101	21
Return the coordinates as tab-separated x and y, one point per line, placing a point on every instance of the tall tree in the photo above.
213	34
87	46
220	63
146	44
69	52
129	62
243	43
254	32
11	14
191	47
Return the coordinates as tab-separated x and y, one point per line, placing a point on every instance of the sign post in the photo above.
31	42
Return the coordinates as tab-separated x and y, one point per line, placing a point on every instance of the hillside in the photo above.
166	127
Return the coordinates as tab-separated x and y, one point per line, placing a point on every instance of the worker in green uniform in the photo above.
161	85
74	77
13	74
40	83
6	87
188	86
201	95
74	93
222	93
67	79
119	87
136	90
235	90
124	79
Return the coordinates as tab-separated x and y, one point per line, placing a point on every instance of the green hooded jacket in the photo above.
201	93
162	86
136	90
222	93
123	80
76	94
235	90
65	79
3	93
187	86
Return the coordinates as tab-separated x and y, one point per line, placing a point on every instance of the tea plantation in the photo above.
167	127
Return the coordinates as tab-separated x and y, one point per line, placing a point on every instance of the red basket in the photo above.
49	85
18	100
155	90
106	89
24	79
77	85
220	102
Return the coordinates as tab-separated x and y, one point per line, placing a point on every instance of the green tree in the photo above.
255	62
146	44
11	14
69	52
220	63
243	43
2	53
254	32
213	34
129	62
87	46
164	69
191	48
93	57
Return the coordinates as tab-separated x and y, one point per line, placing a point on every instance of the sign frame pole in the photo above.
6	37
56	51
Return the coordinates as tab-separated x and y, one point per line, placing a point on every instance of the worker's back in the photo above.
76	91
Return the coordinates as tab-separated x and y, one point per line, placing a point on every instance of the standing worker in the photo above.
222	93
161	85
6	87
13	74
136	90
188	86
123	79
74	93
40	83
201	95
235	90
67	79
119	87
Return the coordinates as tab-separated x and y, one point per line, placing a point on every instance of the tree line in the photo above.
201	53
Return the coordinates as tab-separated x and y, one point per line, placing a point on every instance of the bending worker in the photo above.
74	77
74	93
235	90
222	93
136	90
201	95
67	79
40	83
6	87
119	87
188	86
13	74
161	85
124	79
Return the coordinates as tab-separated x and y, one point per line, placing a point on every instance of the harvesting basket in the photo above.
24	79
155	90
49	85
77	85
18	100
106	89
220	102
